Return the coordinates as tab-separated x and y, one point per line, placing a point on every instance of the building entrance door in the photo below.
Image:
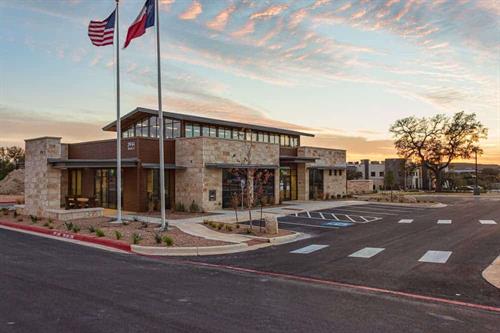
288	183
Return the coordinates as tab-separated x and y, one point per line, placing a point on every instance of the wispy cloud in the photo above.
192	12
220	21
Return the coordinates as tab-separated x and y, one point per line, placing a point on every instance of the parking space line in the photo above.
444	222
405	221
350	218
334	216
308	214
309	249
487	222
437	257
367	252
322	216
364	218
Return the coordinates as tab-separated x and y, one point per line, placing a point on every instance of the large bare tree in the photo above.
436	141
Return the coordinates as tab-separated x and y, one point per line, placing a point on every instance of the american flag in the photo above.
101	32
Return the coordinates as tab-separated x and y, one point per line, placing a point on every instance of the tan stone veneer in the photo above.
42	183
195	182
334	182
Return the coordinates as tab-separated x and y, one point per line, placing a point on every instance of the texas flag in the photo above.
145	20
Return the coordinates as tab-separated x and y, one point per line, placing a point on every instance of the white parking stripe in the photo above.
334	216
361	211
322	216
405	221
367	252
308	215
487	222
438	257
309	249
444	222
364	218
350	218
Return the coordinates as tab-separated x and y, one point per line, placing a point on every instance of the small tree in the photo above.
10	158
389	181
435	142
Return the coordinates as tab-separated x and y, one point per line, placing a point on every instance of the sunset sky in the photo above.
343	70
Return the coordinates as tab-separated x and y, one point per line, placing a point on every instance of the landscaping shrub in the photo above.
179	207
50	220
5	211
46	224
20	219
15	214
68	225
144	225
219	226
91	229
237	226
157	238
168	241
205	222
194	208
249	232
136	238
118	235
76	229
34	219
229	228
99	233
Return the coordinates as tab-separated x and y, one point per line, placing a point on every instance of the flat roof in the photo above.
139	112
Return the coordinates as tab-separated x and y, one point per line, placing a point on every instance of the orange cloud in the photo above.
248	28
220	21
192	12
269	12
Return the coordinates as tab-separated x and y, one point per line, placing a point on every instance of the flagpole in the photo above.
118	123
160	119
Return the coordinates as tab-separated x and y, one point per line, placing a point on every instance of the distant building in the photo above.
405	177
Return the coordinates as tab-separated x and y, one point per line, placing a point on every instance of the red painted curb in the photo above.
69	235
350	286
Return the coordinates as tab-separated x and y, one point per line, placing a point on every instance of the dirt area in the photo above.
145	233
13	183
396	197
244	229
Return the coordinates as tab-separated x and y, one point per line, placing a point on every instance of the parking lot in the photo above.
433	251
348	216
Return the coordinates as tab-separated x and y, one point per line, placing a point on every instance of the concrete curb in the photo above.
285	239
69	235
492	273
195	250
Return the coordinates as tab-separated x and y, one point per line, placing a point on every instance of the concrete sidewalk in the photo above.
492	273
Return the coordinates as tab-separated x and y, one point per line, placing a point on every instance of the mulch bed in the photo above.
244	229
146	231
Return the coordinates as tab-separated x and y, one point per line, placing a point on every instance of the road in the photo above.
52	286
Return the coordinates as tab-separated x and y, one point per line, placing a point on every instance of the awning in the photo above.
328	167
168	166
240	166
297	159
91	163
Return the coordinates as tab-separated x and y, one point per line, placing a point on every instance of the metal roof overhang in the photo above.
168	166
138	113
240	166
91	163
328	167
297	159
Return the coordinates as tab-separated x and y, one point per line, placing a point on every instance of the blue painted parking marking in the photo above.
337	224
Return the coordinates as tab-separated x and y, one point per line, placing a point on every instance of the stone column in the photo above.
302	182
42	183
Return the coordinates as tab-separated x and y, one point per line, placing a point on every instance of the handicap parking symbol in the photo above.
337	224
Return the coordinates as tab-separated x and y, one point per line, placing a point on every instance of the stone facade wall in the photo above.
359	186
195	182
334	184
42	183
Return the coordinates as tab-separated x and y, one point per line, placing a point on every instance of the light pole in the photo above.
476	188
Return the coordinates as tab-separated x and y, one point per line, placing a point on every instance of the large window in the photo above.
315	184
154	127
75	185
192	130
